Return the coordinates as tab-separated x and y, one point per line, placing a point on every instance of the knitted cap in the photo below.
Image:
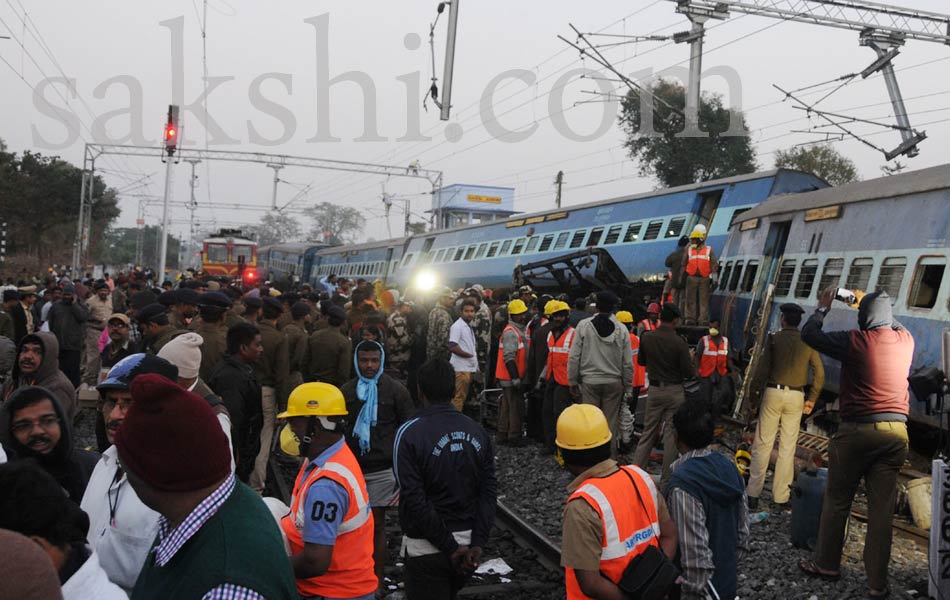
184	352
26	571
171	439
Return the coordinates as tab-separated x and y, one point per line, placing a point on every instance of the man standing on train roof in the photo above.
600	363
714	366
701	267
782	369
377	406
440	322
272	371
510	370
652	321
556	389
613	514
330	525
871	442
446	518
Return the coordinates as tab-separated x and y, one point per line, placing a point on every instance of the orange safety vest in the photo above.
558	351
698	263
351	568
647	325
714	358
639	371
628	529
521	361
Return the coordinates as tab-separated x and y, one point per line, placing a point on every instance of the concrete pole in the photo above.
449	59
693	88
277	168
163	247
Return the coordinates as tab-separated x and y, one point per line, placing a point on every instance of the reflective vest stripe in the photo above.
698	263
521	359
558	354
647	325
714	358
639	371
362	514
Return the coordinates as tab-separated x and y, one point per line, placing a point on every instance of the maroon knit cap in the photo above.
170	438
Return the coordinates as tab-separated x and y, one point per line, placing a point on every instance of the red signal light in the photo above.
170	133
250	275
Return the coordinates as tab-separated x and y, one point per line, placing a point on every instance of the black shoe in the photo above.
753	503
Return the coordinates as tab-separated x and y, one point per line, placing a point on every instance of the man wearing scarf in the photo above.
377	405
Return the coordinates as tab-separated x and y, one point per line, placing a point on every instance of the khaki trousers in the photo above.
696	302
874	452
269	408
607	397
91	358
463	381
781	412
510	415
661	405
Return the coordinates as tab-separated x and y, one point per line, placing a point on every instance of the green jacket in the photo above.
213	347
273	367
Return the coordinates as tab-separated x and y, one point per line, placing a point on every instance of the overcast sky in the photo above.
267	47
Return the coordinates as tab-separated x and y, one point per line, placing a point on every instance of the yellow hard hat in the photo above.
698	233
551	307
274	292
517	307
582	427
289	444
624	316
561	306
315	400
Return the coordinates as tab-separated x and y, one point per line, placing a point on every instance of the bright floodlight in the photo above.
425	281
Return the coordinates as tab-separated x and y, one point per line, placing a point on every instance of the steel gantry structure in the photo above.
881	27
94	151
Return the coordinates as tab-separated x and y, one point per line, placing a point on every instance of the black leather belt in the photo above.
786	388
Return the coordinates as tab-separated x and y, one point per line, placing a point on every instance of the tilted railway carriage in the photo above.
891	234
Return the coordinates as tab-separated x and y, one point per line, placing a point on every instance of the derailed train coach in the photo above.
890	234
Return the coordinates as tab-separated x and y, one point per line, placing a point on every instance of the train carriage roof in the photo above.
394	242
904	184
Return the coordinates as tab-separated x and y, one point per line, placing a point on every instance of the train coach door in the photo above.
772	254
708	204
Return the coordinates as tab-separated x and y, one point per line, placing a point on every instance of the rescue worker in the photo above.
701	267
297	341
639	371
510	371
330	351
446	516
211	327
714	366
782	369
652	320
440	322
99	306
272	371
399	341
613	513
675	263
330	524
557	389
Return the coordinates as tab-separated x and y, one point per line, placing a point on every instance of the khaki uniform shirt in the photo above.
297	340
99	311
166	334
213	348
785	360
273	368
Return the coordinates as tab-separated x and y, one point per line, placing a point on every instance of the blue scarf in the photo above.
368	392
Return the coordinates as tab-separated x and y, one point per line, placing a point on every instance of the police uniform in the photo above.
272	371
215	335
437	337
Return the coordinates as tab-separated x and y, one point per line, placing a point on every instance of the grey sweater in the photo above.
603	356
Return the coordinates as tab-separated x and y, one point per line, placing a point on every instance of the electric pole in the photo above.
558	181
191	207
449	58
277	168
171	145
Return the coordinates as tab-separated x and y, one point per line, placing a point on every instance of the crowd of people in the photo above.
372	390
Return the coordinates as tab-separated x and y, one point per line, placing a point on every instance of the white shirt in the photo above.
462	334
122	548
90	582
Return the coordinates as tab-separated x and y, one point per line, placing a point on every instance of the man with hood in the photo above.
600	363
706	497
67	321
871	442
377	405
34	425
38	365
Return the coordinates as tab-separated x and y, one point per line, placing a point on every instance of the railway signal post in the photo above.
172	133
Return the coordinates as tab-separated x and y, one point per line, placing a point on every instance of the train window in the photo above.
831	275
891	276
241	252
532	244
561	239
217	253
518	247
633	233
748	279
439	255
676	227
595	235
408	259
724	276
427	245
481	251
806	278
459	253
470	252
786	273
927	279
859	275
427	257
578	238
653	230
613	234
505	246
734	280
493	249
546	243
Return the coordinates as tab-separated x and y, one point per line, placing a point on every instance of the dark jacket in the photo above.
674	262
394	407
331	355
715	482
875	361
48	375
538	351
67	323
445	470
71	467
237	386
18	314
